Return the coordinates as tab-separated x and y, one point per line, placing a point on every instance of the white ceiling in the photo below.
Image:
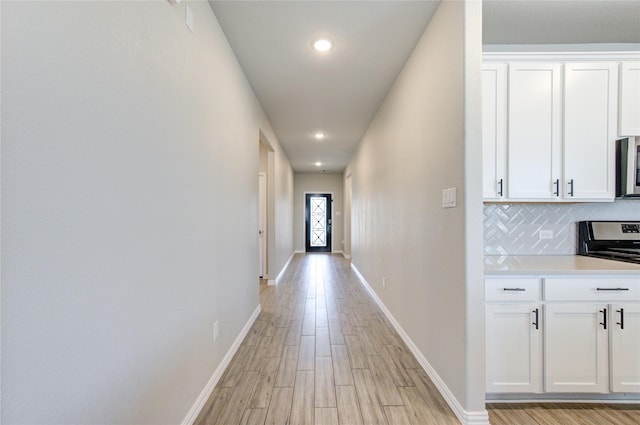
339	92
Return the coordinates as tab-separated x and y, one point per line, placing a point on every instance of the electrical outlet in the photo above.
216	330
545	234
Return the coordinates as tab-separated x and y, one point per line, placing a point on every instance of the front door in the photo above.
318	222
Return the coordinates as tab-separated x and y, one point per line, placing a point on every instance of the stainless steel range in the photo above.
613	240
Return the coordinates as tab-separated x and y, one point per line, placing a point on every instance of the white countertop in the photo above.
556	265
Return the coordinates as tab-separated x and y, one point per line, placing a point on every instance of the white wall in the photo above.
129	209
318	183
422	141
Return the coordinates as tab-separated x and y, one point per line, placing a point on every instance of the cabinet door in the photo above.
534	130
590	106
625	347
576	349
514	348
630	98
494	130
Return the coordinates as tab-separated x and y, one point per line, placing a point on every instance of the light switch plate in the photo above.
449	197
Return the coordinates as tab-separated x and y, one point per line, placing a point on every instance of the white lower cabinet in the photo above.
624	334
582	336
513	335
576	354
514	348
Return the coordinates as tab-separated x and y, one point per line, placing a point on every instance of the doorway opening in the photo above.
318	222
265	211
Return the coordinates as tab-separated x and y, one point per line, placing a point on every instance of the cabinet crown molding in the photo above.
560	56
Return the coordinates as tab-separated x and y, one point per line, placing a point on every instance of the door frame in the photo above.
304	221
262	225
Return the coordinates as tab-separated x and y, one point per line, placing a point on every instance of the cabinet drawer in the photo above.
512	289
592	289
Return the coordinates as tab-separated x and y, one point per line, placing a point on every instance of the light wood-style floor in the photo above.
322	352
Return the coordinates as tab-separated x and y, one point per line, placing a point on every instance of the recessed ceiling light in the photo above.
318	164
322	45
319	135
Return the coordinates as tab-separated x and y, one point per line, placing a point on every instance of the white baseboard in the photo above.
465	417
277	279
347	256
271	282
193	413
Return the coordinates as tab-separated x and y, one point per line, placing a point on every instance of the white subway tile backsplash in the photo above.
513	229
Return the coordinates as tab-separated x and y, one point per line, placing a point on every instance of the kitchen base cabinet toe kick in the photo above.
559	338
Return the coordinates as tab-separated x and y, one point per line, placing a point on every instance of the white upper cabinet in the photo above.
590	105
494	130
550	125
534	130
630	98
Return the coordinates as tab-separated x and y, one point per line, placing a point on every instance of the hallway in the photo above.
322	352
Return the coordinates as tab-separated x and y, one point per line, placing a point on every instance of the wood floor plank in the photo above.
397	415
303	407
419	411
606	414
324	383
258	355
399	375
432	397
212	408
348	406
309	324
387	390
512	416
322	320
326	416
254	333
335	332
323	344
370	344
286	376
233	410
254	417
341	366
276	344
307	357
398	350
294	333
357	357
279	412
370	407
236	367
264	384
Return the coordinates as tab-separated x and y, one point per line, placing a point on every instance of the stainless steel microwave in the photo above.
628	167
